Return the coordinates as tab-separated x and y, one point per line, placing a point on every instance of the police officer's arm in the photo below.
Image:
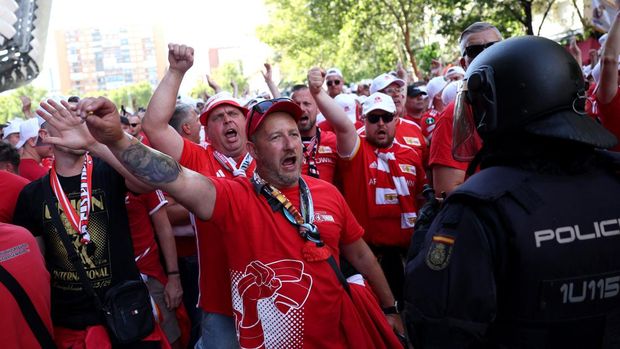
608	84
346	137
450	285
161	106
192	190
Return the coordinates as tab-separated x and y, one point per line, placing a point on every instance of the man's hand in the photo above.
397	324
401	72
102	118
173	292
213	85
267	74
574	50
316	78
73	131
181	58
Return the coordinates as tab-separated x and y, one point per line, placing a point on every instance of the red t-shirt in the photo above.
326	126
609	114
31	170
441	146
139	211
326	157
383	229
10	186
214	278
309	307
427	122
20	256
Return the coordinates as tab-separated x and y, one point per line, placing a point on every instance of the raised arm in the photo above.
608	84
346	136
268	75
161	106
194	191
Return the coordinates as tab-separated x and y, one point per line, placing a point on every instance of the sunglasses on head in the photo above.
262	107
333	82
474	50
374	118
134	125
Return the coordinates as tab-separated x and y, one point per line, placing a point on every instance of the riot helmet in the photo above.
527	85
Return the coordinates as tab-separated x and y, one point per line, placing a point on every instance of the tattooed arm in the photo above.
146	164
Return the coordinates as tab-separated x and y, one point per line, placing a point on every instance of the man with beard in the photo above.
390	174
320	155
283	231
225	155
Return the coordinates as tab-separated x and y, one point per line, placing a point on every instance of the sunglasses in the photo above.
391	91
134	125
333	82
374	118
263	106
474	50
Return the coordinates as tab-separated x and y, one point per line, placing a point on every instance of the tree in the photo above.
11	105
132	96
229	72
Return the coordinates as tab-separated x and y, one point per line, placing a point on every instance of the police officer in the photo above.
524	254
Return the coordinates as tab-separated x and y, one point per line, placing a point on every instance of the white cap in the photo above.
13	127
434	87
449	92
453	71
348	103
384	80
380	101
27	130
602	39
333	72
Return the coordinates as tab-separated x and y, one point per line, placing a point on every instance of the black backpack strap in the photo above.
75	260
30	313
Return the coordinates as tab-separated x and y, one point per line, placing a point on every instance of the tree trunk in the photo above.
411	55
527	11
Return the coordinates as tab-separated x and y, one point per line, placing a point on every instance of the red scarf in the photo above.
79	222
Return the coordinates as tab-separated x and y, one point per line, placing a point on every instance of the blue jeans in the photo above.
217	332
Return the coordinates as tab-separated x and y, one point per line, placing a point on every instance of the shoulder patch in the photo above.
438	255
429	120
324	149
412	141
406	168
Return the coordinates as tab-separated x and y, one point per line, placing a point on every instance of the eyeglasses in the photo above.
474	50
333	82
134	125
391	91
374	118
262	107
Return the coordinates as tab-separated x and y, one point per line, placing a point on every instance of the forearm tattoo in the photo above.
150	165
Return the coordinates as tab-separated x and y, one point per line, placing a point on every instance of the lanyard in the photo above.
231	165
79	222
310	154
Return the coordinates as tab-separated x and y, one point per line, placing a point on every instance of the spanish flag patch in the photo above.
438	255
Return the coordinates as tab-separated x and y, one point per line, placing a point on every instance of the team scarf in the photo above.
310	150
391	187
231	165
303	218
79	222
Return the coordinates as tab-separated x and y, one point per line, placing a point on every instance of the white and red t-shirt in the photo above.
381	222
10	186
278	296
214	278
326	156
609	114
20	256
146	252
31	169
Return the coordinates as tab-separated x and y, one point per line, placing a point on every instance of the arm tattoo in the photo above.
150	165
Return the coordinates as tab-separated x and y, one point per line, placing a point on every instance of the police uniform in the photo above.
523	255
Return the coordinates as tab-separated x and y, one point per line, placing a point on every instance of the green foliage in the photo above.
11	105
229	72
132	96
199	90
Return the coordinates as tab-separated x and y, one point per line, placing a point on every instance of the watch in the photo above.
391	310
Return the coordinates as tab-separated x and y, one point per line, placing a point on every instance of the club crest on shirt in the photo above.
323	217
390	197
406	168
438	255
323	149
430	121
412	141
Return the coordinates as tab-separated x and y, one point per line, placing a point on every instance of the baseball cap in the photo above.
449	92
333	72
379	101
384	80
413	91
260	111
434	86
454	71
13	127
349	104
27	130
217	100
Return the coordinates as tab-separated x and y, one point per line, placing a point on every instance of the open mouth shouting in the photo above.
231	135
289	162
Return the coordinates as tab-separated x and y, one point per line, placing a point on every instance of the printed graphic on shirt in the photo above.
412	141
268	302
95	256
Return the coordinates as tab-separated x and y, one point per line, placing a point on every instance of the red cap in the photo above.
217	100
255	118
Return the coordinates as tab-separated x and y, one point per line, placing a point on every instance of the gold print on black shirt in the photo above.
95	256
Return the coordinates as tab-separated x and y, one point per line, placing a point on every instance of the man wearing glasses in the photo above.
334	82
447	172
383	180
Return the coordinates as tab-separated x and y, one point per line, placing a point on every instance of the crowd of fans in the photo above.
224	268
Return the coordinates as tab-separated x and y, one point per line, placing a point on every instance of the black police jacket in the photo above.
517	259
